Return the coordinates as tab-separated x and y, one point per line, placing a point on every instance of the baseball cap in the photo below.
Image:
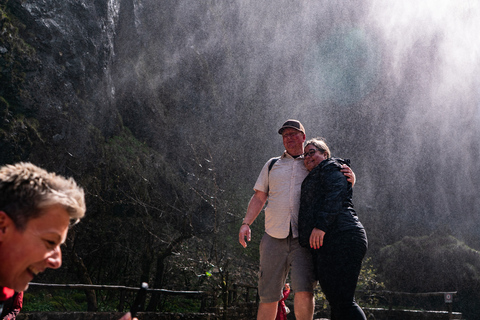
292	123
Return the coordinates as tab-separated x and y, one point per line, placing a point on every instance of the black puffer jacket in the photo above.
326	201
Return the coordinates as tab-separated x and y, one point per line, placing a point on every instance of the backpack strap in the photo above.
272	163
342	161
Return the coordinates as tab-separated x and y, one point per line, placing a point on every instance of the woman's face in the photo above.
312	157
24	254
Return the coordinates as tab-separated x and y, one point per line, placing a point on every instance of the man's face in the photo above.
293	141
24	254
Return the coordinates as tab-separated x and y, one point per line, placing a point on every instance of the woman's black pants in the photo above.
337	267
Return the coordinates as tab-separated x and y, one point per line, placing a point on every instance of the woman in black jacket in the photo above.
329	226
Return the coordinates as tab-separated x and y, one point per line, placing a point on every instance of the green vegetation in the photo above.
179	304
54	300
435	263
19	129
368	283
15	58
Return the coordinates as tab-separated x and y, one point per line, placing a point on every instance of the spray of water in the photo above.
393	86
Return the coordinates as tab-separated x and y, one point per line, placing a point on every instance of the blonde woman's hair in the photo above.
25	190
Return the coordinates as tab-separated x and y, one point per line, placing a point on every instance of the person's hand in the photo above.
244	232
316	238
347	172
128	316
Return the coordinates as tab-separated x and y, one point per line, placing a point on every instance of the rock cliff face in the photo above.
70	102
84	71
68	82
70	86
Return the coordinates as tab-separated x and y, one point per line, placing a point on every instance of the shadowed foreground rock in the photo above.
378	314
113	316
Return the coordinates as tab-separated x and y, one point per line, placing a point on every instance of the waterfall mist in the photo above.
392	86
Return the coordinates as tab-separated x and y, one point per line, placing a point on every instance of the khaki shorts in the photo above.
277	258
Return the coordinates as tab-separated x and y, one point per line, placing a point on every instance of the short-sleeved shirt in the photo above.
283	185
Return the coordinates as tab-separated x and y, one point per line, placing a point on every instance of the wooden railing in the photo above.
201	295
239	292
393	298
241	295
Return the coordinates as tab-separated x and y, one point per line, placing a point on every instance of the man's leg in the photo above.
304	305
267	311
272	275
303	281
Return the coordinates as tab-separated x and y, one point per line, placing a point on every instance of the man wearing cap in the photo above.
280	251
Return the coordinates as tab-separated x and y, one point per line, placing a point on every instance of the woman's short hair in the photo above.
320	144
26	189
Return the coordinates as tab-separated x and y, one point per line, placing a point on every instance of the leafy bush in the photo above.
435	263
58	300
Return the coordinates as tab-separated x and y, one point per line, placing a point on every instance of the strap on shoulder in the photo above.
272	163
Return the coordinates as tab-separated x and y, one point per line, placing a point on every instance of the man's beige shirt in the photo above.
283	185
